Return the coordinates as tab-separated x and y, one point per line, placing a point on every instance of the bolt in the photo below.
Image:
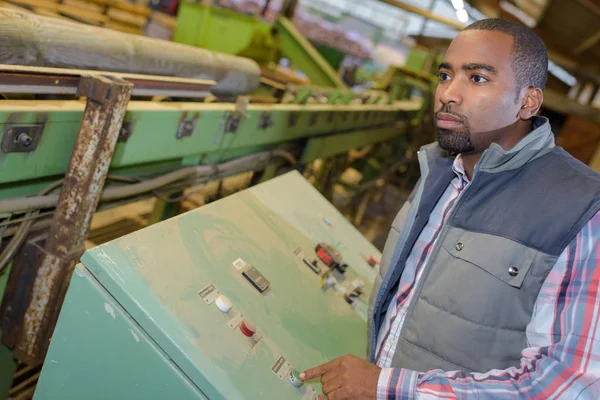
24	139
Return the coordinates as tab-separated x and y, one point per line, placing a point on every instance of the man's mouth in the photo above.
448	121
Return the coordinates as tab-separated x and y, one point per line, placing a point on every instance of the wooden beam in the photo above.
568	62
560	103
591	6
426	13
586	44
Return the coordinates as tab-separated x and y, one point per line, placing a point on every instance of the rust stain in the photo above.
103	116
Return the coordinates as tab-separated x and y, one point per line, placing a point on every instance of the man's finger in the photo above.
316	371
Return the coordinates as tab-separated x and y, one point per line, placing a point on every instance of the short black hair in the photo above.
530	56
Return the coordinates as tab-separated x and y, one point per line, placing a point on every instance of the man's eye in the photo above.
444	76
478	79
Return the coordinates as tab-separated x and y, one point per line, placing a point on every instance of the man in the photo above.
489	284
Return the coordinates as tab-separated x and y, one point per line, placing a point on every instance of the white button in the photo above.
223	303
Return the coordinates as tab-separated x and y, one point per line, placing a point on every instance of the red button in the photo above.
372	261
326	258
247	328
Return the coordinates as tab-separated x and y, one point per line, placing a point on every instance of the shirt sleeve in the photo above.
567	366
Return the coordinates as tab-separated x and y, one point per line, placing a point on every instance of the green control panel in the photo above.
229	301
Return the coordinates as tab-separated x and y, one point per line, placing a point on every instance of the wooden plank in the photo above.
426	13
588	43
101	2
11	6
139	9
165	20
44	4
88	17
127	18
50	13
84	5
117	26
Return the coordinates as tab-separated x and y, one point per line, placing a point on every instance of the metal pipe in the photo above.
96	141
29	39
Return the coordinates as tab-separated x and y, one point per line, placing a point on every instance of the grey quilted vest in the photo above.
505	233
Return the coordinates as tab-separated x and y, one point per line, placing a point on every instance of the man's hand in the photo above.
346	378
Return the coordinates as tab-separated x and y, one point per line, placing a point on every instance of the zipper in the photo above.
406	229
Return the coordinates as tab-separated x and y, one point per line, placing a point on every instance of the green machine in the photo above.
229	32
154	123
228	301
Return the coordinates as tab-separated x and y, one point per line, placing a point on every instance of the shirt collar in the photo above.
459	169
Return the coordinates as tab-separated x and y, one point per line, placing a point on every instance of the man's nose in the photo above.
451	92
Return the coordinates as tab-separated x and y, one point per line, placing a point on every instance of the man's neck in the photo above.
507	138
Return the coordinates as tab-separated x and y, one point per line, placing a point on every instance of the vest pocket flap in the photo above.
504	258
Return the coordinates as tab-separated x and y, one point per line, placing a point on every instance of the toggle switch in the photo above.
223	303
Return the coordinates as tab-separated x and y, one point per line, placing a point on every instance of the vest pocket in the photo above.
503	258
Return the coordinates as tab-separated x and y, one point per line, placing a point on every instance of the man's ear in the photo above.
531	103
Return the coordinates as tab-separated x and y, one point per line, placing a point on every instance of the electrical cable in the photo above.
19	237
238	165
44	200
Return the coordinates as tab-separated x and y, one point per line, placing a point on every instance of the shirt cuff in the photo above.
397	384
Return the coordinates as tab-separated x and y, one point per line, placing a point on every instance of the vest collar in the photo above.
495	159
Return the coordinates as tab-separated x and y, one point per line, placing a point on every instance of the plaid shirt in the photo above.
562	359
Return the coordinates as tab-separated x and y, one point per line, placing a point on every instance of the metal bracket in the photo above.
233	122
314	118
293	118
265	120
187	126
126	131
96	88
21	138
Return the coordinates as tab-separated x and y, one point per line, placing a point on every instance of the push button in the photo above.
459	246
295	378
248	328
223	303
513	271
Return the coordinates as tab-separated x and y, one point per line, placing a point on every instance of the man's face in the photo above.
475	98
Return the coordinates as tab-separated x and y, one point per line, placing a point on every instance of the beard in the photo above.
455	141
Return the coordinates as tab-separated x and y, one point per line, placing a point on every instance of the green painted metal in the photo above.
304	56
122	361
154	130
149	281
225	31
327	146
333	56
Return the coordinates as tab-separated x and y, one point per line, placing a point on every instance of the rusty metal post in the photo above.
107	101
